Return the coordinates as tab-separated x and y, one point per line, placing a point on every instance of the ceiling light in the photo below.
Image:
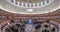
29	10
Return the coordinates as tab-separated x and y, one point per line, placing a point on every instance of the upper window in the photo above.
31	3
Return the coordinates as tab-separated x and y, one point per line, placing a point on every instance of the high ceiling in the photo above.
20	7
30	0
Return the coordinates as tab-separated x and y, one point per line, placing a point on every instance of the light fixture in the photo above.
29	10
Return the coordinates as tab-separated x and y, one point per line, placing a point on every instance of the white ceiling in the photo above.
53	6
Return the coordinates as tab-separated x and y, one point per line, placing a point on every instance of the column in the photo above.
59	27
